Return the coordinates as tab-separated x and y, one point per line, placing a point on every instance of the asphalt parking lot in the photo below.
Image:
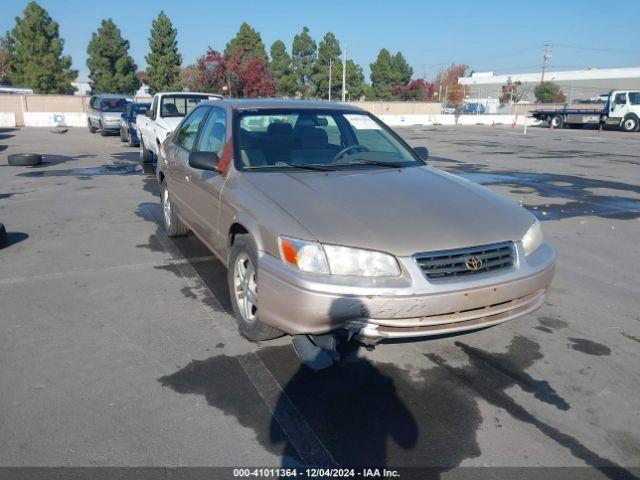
117	347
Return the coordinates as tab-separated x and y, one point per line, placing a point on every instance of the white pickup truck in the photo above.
166	112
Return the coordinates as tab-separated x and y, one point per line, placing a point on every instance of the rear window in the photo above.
179	105
113	104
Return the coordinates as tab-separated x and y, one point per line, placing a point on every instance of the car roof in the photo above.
204	94
278	103
111	95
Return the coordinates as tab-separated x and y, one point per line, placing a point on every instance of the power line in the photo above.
605	50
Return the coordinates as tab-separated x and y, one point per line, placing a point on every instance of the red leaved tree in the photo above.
418	90
236	75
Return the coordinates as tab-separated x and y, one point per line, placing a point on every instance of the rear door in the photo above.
206	185
179	172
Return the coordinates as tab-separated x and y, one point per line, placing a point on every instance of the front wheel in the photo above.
242	278
123	136
630	123
92	129
556	121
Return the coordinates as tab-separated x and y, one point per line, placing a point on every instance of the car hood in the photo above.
405	211
170	123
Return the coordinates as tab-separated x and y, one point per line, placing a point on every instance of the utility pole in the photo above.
344	73
546	55
330	75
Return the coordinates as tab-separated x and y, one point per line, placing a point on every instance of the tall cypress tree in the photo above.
328	50
250	41
303	55
284	78
164	59
38	62
111	69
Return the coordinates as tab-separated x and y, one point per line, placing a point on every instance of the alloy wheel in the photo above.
245	287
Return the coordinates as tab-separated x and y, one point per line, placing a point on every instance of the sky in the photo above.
499	36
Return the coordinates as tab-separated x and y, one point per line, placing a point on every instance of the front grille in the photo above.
467	261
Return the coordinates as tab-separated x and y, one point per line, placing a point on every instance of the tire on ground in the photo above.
24	159
254	331
631	123
556	121
145	155
92	129
174	226
123	137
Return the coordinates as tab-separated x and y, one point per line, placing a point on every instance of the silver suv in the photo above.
328	221
104	113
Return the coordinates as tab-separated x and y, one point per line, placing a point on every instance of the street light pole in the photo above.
344	73
330	75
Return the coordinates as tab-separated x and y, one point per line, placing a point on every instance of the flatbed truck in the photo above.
622	109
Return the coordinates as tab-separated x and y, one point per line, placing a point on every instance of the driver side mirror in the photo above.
149	113
422	152
204	161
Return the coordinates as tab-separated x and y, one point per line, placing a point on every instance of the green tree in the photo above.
7	53
38	62
249	41
284	77
164	59
549	92
111	69
356	86
389	71
328	51
303	55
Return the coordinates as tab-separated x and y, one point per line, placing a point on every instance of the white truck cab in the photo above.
624	110
166	112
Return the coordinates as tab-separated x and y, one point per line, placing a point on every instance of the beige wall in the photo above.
400	108
12	103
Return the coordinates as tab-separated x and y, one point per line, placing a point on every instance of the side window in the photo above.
621	98
189	130
214	132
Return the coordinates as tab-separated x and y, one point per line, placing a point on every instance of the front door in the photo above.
206	185
179	172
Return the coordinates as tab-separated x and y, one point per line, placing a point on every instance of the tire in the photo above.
244	255
146	156
92	129
24	159
171	222
556	121
630	123
123	137
3	236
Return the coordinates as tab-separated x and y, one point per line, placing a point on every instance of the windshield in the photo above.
634	98
325	139
179	105
113	104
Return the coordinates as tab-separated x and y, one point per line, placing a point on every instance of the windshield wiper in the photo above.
305	166
362	161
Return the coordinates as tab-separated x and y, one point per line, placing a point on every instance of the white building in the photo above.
576	84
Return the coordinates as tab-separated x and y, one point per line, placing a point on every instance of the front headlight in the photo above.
336	260
533	238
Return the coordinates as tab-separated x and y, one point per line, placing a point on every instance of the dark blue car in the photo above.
128	131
